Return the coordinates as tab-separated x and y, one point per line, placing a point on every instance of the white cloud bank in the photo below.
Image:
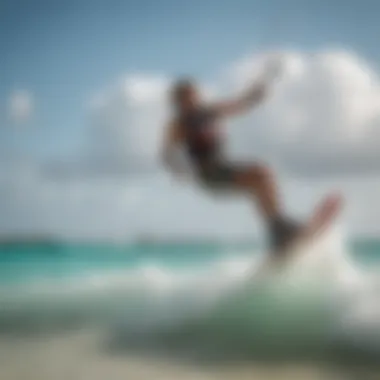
322	118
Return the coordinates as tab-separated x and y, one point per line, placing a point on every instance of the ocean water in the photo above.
201	302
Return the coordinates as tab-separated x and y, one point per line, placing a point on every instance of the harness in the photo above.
201	134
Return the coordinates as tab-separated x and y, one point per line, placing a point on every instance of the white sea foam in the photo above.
154	295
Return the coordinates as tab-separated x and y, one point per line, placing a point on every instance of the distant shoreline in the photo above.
24	241
187	242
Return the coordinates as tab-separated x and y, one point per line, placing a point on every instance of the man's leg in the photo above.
258	181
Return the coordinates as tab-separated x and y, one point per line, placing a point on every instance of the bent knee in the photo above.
261	173
255	176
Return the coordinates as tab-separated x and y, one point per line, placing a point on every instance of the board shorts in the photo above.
219	175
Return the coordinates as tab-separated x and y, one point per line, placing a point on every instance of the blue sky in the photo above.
62	53
64	50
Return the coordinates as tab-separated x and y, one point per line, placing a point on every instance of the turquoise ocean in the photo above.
198	300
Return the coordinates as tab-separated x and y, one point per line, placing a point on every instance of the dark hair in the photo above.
180	88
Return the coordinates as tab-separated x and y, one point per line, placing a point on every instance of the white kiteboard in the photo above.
323	216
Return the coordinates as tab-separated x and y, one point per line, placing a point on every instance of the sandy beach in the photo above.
80	356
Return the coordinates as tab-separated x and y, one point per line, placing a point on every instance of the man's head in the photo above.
184	94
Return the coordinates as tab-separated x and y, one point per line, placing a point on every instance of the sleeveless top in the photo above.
201	134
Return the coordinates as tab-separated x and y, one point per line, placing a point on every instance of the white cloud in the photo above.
322	117
20	106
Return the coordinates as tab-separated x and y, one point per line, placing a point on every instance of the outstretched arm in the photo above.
251	98
254	95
